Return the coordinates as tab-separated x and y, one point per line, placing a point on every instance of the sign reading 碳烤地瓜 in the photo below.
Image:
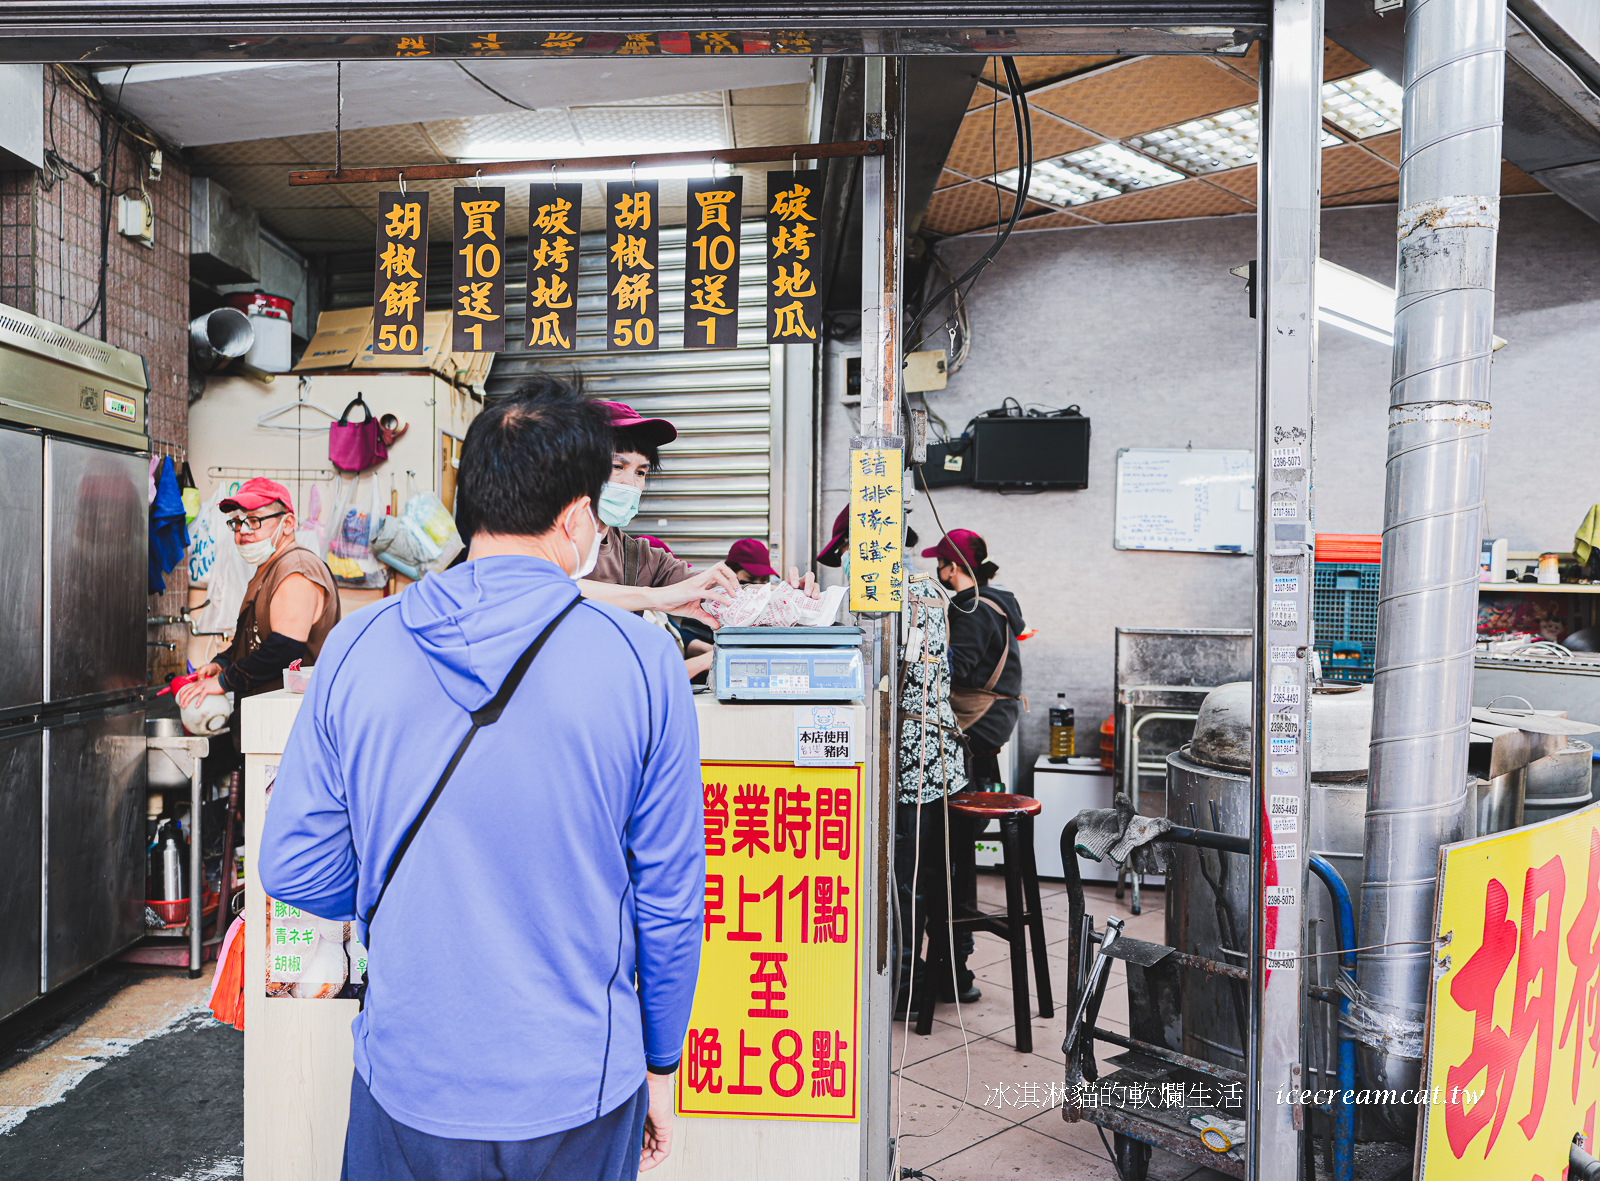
555	214
1513	1038
794	303
776	1026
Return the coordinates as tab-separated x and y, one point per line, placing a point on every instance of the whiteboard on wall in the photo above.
1192	501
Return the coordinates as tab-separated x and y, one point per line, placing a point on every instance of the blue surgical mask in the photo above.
618	503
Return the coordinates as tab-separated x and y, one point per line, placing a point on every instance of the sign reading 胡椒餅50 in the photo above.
633	299
711	264
401	287
794	304
479	323
776	1025
555	215
1513	1037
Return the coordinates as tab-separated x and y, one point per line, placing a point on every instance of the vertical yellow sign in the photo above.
776	1024
876	529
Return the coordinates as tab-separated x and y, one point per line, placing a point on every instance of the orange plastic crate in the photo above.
1349	547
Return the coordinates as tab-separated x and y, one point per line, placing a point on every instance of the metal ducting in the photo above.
224	235
1433	503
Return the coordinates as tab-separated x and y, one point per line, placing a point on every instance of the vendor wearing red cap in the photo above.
751	561
985	665
290	605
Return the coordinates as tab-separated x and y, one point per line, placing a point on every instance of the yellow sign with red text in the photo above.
1514	1019
776	1025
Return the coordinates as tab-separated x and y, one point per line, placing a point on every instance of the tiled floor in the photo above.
993	1134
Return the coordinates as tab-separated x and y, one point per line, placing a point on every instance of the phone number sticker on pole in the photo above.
794	305
479	325
711	264
775	1029
555	211
402	274
633	298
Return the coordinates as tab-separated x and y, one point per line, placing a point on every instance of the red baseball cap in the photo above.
832	554
254	493
749	554
959	546
652	430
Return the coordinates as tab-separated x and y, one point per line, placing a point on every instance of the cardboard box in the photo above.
343	340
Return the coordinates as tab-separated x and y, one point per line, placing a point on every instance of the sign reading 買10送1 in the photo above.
776	1025
1513	1048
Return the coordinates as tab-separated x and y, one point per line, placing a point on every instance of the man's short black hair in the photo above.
528	456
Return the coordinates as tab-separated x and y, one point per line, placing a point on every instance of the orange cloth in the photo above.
227	986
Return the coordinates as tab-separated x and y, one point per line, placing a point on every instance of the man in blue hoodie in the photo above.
531	971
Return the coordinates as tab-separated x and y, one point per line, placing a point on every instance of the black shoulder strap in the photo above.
486	715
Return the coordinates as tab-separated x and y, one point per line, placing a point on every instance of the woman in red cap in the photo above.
290	605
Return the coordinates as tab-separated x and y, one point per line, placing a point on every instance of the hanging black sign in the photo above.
401	286
633	301
711	265
794	203
555	214
479	323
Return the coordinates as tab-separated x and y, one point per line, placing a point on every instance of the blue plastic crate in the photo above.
1345	615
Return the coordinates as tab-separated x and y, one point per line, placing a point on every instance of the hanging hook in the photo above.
633	179
794	163
402	184
477	180
554	166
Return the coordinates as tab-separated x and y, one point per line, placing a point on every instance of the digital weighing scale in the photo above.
788	664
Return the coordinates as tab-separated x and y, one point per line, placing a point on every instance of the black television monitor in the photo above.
1032	453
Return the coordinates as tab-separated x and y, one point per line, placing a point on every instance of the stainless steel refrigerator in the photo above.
73	601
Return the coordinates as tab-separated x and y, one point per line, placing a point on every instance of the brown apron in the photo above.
971	704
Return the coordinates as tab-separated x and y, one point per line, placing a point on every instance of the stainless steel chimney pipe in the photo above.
1433	507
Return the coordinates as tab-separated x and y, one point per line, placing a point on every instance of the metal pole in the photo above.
197	877
1433	500
882	254
1288	243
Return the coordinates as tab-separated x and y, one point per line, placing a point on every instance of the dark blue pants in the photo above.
377	1148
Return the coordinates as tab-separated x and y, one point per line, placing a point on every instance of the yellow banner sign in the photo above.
1514	1017
776	1024
876	529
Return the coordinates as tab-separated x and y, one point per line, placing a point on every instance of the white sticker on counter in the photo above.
1286	852
1281	896
1286	458
825	736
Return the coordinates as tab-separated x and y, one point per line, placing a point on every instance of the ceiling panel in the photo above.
1337	61
948	178
1190	198
1038	71
1387	146
1514	181
1240	181
1054	221
985	138
969	206
1146	94
1350	176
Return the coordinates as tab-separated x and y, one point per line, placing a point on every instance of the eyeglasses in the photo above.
251	524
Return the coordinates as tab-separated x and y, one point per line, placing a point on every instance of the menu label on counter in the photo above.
400	289
876	528
711	264
794	304
825	736
775	1029
633	285
479	272
555	215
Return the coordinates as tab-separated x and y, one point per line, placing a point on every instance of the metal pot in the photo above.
160	771
1559	783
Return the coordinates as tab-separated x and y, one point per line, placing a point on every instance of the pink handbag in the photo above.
356	446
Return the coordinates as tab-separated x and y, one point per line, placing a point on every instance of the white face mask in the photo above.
618	503
585	566
258	551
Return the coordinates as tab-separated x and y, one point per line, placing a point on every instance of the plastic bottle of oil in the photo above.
1062	738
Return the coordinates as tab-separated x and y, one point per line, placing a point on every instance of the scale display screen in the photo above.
821	674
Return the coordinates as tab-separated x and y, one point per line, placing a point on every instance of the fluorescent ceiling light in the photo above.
1216	143
681	172
1105	170
1367	104
1354	302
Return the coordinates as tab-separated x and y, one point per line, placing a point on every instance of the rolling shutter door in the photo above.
716	481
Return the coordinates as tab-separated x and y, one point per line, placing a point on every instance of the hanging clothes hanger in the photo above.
264	420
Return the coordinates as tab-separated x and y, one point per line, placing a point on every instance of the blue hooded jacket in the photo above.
541	940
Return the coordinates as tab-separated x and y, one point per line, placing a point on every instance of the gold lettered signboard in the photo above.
633	300
711	265
555	214
877	524
1513	1027
794	306
776	1025
479	325
401	289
